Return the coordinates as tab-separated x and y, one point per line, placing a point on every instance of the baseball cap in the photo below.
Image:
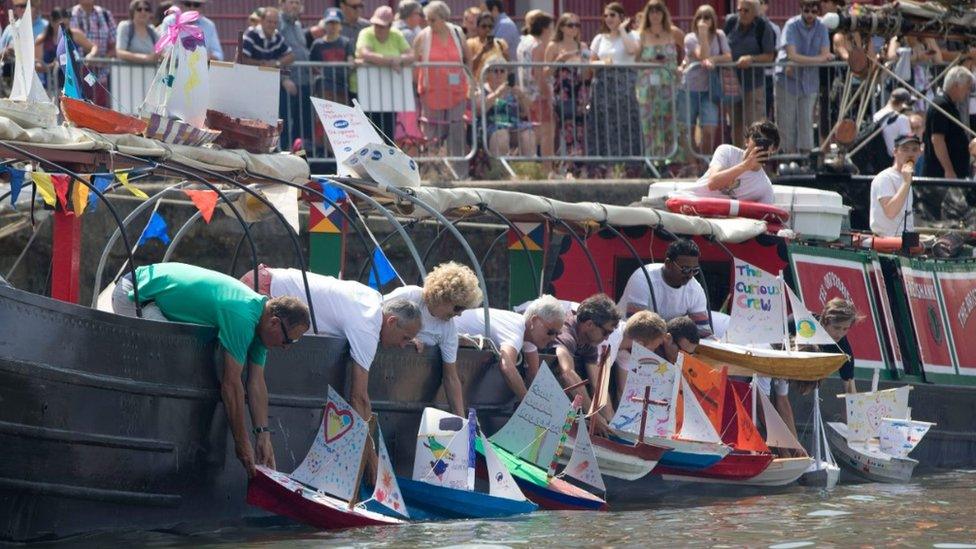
902	97
333	15
908	138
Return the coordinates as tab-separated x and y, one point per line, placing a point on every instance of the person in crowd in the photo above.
505	28
656	85
254	19
913	59
683	336
469	20
247	325
353	21
46	48
645	328
383	46
831	78
769	74
265	46
137	37
350	310
705	47
837	318
409	19
738	174
98	26
752	41
673	291
578	350
39	23
508	109
893	120
805	42
946	143
517	335
295	109
443	90
332	83
211	39
891	190
571	87
535	82
449	289
613	118
483	46
160	12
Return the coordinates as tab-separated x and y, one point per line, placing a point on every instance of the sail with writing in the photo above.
535	429
695	426
500	481
866	410
646	369
387	491
898	437
809	331
442	452
758	314
582	464
778	434
332	463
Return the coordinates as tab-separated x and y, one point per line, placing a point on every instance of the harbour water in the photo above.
936	510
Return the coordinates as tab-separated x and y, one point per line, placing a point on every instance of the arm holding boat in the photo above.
359	400
232	393
452	388
532	364
569	378
257	401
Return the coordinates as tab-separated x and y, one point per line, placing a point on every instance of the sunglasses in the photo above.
284	332
743	10
572	25
145	9
811	9
486	26
20	6
653	9
606	331
689	271
458	309
499	71
552	333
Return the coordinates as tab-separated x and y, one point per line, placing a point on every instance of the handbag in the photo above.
723	83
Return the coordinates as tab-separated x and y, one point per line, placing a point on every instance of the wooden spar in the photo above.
643	423
603	385
570	419
362	462
575	385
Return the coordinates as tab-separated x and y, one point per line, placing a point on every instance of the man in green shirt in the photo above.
247	324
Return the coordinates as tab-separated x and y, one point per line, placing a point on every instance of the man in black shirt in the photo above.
752	40
946	142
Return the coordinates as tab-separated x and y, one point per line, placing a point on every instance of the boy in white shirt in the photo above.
891	191
738	174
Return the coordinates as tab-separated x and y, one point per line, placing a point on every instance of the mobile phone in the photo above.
491	39
763	143
511	80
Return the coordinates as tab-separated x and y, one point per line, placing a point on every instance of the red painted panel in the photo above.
959	296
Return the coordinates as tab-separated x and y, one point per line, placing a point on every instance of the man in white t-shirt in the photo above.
894	121
350	310
673	291
738	174
891	190
514	333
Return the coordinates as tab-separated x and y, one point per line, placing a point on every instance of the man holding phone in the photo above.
738	174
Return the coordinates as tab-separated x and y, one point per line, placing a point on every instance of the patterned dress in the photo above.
656	94
571	94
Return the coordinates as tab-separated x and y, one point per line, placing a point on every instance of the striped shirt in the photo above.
260	48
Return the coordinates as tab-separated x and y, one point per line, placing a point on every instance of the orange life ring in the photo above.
703	206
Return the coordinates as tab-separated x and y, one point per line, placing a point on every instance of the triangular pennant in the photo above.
61	183
44	186
583	464
100	182
156	228
123	178
205	201
16	183
381	267
808	330
79	197
387	491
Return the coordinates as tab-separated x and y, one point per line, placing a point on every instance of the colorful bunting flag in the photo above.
383	268
156	228
44	186
61	182
101	182
205	201
123	178
79	197
16	182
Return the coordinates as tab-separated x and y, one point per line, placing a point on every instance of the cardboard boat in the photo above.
244	133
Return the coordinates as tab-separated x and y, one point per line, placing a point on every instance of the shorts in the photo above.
122	305
542	111
697	107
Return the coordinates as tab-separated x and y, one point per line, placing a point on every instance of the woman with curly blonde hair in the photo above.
449	289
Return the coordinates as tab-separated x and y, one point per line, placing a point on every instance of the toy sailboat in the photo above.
28	105
879	433
529	443
322	491
175	107
443	484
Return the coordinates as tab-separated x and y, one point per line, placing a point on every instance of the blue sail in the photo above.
68	54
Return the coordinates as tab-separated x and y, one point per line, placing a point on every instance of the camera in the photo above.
511	80
763	143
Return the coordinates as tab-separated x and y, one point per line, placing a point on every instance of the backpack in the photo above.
873	156
132	31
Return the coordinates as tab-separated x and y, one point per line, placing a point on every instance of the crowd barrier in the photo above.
637	112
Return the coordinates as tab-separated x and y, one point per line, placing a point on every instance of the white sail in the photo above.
442	451
387	491
695	424
758	309
534	431
809	331
777	433
500	481
582	464
332	463
898	437
191	87
866	410
646	369
27	85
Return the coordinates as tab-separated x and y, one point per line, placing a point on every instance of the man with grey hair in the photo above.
946	142
514	333
410	19
350	310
